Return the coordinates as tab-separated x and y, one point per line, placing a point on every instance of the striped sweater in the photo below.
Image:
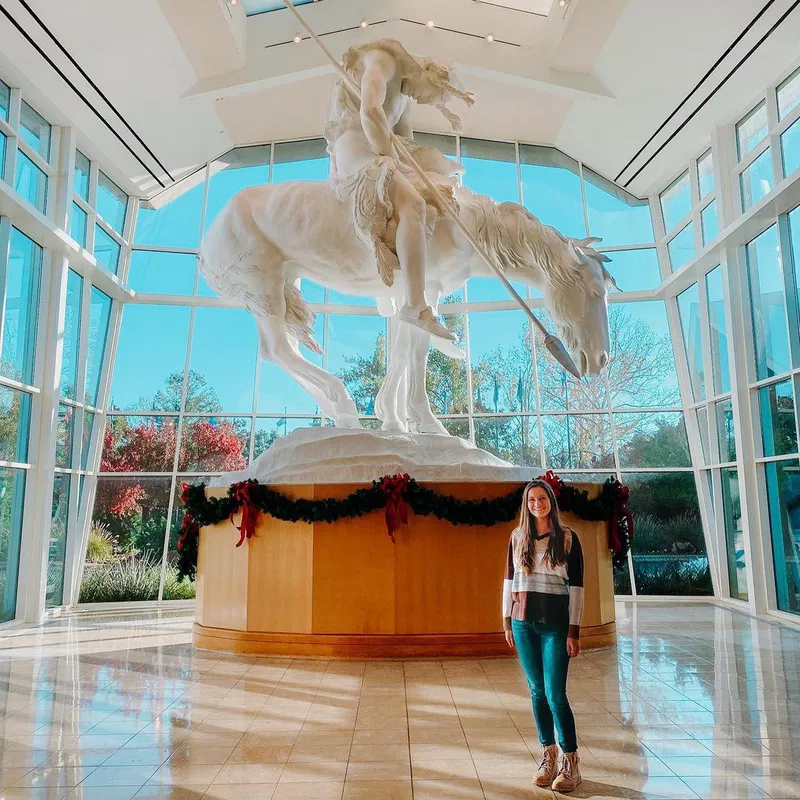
548	596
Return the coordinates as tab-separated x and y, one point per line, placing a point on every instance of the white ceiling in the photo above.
193	78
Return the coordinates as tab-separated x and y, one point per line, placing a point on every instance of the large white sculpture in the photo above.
389	206
373	217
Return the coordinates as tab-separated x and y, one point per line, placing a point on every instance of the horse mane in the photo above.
524	247
515	247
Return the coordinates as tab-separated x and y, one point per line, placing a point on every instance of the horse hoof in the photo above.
394	427
346	421
433	427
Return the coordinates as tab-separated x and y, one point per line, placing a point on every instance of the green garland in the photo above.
393	494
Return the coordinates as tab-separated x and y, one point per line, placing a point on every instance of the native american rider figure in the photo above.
391	209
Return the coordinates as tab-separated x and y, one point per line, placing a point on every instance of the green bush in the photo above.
175	589
673	576
55	578
622	580
131	580
143	533
657	534
663	494
101	543
121	580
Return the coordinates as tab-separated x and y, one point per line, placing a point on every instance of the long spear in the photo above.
552	343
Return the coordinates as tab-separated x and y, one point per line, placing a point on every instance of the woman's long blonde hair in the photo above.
556	545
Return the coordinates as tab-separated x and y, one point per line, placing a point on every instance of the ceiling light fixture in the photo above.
297	38
562	3
489	38
234	2
430	23
364	23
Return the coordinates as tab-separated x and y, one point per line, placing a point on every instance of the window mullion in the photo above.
5	252
745	419
13	140
723	147
94	445
47	167
790	290
660	236
62	205
719	533
43	424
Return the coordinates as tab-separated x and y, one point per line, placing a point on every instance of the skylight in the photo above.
541	7
252	7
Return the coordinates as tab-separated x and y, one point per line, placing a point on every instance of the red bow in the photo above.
396	511
189	528
553	481
185	493
240	494
621	510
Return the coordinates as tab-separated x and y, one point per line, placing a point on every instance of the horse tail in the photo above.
299	317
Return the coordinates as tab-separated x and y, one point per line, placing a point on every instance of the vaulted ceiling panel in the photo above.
169	84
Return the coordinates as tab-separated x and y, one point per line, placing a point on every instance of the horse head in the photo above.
578	301
572	277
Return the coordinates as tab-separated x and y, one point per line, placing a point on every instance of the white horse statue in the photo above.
269	237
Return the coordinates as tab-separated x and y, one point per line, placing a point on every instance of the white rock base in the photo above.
342	455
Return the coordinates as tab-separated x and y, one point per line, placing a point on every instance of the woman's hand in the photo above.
509	638
573	647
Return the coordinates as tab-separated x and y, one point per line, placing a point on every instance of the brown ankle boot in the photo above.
547	766
569	774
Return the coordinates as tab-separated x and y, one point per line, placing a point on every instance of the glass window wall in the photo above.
22	272
213	406
205	413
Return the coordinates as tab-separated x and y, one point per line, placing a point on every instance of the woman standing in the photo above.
542	610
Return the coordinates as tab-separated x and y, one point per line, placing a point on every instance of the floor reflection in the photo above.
696	701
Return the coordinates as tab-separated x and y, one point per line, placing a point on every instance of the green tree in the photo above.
503	380
134	508
779	410
265	437
13	429
662	444
446	380
200	397
514	439
13	435
663	494
363	376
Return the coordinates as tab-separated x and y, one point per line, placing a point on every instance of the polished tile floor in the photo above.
696	701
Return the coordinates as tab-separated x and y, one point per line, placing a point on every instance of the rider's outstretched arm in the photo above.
379	70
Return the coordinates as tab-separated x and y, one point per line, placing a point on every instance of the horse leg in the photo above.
402	397
419	405
278	346
388	401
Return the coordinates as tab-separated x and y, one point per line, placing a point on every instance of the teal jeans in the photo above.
542	652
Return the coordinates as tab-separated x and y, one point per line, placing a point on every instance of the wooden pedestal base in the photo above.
344	590
363	648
